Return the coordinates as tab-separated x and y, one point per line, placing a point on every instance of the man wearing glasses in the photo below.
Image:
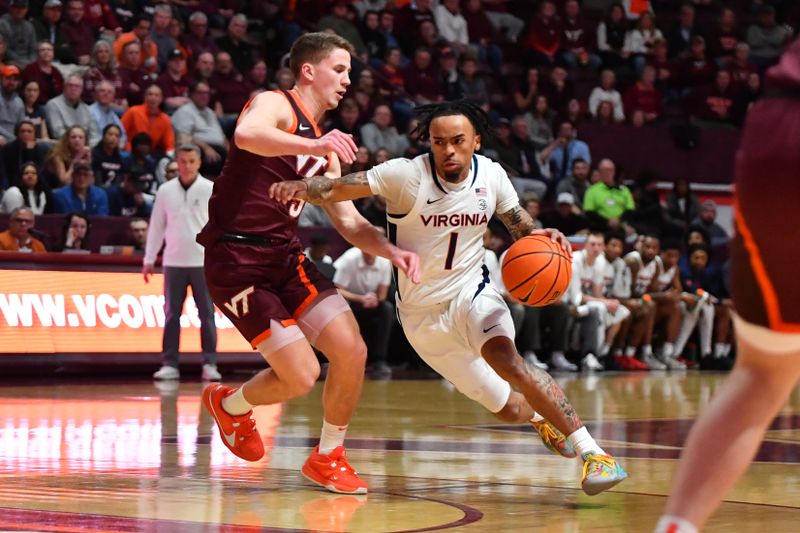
16	238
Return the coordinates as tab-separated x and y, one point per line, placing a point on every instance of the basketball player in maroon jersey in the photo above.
764	255
259	277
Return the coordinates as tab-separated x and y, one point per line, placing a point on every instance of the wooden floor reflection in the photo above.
139	457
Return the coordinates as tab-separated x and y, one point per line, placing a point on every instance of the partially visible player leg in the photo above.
331	327
672	313
293	371
766	371
601	471
488	329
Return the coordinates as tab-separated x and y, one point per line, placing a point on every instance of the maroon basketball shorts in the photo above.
765	253
253	284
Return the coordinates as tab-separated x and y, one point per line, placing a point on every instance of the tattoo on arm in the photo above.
518	222
557	399
320	188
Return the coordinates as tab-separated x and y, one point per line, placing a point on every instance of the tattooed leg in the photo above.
541	392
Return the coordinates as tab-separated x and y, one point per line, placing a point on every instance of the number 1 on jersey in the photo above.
451	251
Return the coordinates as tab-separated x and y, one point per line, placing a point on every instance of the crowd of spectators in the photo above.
96	94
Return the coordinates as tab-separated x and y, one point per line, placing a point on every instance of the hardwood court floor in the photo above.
133	457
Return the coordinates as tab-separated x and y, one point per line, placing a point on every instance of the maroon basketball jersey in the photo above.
240	202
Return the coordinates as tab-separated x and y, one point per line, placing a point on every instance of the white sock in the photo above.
719	349
668	350
674	524
647	349
726	349
537	417
332	436
630	351
584	443
235	404
604	350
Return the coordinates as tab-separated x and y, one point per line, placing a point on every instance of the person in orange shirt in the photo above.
16	238
141	33
148	117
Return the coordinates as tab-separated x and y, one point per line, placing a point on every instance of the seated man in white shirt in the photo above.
364	280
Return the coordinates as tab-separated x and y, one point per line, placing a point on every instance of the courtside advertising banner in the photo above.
79	312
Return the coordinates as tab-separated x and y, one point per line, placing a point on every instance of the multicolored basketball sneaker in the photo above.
600	472
553	439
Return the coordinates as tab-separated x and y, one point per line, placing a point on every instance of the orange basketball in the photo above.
536	271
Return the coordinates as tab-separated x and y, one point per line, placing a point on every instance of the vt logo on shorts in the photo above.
233	305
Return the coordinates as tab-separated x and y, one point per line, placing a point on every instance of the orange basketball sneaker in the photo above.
333	472
238	433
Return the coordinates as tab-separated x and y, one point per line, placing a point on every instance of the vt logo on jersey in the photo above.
455	220
310	165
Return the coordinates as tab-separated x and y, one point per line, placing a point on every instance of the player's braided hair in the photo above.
476	115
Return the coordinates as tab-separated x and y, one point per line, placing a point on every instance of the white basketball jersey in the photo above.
617	279
646	273
445	223
588	275
665	277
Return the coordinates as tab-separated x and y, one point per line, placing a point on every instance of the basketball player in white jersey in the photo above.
589	268
696	309
617	286
439	205
645	270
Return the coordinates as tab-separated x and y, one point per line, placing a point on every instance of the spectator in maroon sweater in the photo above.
347	120
712	105
204	67
134	78
174	84
429	36
558	89
542	38
79	35
197	40
231	91
407	22
741	68
98	14
666	68
578	41
421	79
697	69
257	80
391	73
643	97
523	92
722	39
482	36
42	71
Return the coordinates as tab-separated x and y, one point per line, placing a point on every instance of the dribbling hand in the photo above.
337	142
555	236
286	191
